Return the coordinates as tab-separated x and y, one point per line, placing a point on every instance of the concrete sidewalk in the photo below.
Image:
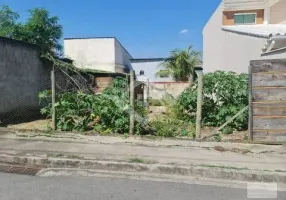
238	158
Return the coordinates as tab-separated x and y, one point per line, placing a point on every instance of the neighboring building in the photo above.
102	53
146	68
243	30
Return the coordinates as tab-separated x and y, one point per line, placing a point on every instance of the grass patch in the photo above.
224	167
280	170
136	160
61	155
55	155
74	157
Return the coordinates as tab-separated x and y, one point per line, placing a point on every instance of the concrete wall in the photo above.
150	68
122	57
225	50
278	13
93	53
105	54
23	75
159	90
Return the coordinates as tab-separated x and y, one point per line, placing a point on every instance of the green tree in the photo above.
40	28
43	30
8	22
180	64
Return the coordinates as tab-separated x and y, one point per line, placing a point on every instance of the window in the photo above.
245	18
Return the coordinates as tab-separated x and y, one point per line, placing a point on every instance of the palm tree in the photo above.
181	64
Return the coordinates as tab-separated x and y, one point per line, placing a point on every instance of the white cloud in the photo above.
184	31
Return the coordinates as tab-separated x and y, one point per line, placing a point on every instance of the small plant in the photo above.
171	127
227	130
155	102
217	137
136	160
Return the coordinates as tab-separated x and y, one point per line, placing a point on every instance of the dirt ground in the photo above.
44	125
41	125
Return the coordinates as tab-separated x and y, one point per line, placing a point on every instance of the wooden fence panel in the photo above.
267	101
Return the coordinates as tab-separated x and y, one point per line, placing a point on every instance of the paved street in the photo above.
22	187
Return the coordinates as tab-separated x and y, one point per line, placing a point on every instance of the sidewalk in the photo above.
230	157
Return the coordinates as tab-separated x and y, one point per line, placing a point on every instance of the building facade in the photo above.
147	68
243	30
104	53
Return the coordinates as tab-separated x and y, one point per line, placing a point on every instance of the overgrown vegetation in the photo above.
224	94
106	113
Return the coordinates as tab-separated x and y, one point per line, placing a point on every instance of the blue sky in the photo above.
147	28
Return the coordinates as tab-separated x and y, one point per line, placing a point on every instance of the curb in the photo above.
162	169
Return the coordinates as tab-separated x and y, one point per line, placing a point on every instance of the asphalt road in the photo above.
22	187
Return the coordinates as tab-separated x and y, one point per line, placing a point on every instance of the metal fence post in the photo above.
132	117
53	88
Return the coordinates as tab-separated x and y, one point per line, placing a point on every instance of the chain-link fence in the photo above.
20	95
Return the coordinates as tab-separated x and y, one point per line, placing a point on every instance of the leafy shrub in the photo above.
155	102
106	112
171	127
224	94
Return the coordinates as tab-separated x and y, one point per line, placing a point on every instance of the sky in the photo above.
146	28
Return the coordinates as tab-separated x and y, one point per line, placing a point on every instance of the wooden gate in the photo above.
267	100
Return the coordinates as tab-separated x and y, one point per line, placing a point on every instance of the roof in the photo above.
259	30
274	33
88	38
247	4
146	60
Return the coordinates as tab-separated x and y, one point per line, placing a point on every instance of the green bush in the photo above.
224	94
171	127
106	112
155	102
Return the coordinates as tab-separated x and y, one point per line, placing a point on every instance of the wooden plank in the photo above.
277	123
250	109
269	104
269	80
269	136
268	139
269	94
268	66
269	111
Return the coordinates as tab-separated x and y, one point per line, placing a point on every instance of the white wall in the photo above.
150	69
122	57
94	53
278	13
228	51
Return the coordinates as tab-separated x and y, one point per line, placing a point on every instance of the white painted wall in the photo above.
150	69
278	13
122	57
94	53
227	51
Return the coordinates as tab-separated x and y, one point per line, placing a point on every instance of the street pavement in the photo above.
22	187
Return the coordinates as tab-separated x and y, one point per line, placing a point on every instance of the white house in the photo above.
243	30
146	68
109	55
98	53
